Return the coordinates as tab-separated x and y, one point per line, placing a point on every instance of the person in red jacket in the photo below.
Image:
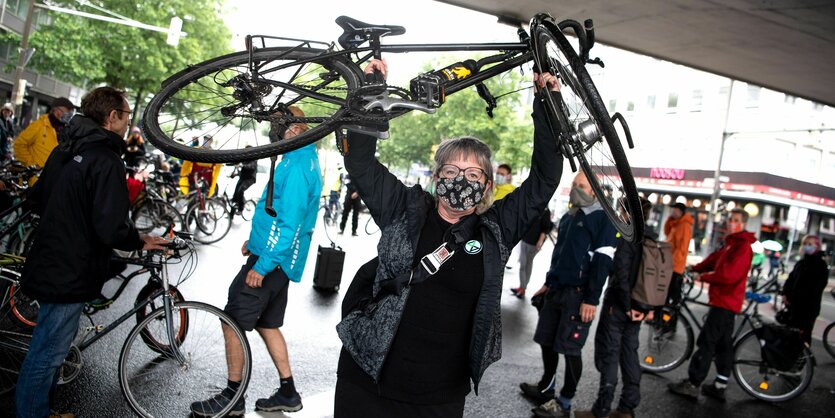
726	271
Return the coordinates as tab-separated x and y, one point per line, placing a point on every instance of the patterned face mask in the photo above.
459	193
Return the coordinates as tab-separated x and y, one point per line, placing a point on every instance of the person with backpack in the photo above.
726	271
616	338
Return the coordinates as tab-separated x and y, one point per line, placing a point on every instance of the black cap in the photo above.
64	102
680	206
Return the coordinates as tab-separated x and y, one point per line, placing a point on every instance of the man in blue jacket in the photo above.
580	264
277	249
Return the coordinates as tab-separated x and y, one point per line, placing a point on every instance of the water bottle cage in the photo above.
428	89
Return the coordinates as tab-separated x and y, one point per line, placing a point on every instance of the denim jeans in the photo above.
51	340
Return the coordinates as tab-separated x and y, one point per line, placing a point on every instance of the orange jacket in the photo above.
678	232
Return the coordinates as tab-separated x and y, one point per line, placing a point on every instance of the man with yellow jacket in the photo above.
191	171
679	230
36	142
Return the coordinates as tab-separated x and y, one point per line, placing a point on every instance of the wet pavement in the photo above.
314	349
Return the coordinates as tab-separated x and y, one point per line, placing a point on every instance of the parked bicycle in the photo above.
666	344
171	355
829	333
235	97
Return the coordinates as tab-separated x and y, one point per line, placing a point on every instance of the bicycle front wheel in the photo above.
160	343
764	382
234	100
586	125
13	348
665	343
164	384
210	223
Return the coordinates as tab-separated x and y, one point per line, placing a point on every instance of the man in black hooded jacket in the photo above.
82	199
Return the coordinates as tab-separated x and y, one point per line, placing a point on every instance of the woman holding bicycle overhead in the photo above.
445	255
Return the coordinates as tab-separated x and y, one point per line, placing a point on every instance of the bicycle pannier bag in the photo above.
780	346
328	273
654	273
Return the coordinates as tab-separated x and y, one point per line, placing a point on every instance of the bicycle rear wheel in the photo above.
829	339
157	384
248	210
587	127
13	348
221	98
763	382
665	344
156	217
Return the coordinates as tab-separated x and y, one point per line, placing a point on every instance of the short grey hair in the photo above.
461	148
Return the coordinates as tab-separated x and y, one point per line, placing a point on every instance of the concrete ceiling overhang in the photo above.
784	45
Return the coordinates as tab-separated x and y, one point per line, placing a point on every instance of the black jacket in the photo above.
82	199
400	212
805	285
625	274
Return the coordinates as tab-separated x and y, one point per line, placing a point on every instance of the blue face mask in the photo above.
65	118
810	249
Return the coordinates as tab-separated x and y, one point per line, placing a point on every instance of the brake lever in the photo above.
596	61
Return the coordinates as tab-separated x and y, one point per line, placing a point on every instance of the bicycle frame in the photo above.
747	318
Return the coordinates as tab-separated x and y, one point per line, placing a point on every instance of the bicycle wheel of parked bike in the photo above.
764	382
248	210
829	339
664	343
155	342
165	384
221	97
14	344
586	125
155	217
23	308
210	223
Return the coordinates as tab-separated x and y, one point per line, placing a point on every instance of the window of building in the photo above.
697	98
630	106
651	102
789	99
613	103
753	96
17	7
672	101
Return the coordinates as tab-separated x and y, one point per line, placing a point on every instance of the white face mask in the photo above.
810	249
501	179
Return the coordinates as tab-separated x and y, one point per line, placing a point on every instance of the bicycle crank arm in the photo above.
387	103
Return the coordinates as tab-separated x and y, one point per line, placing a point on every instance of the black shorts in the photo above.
559	322
261	307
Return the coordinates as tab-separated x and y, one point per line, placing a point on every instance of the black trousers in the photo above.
348	206
240	188
616	345
352	401
715	343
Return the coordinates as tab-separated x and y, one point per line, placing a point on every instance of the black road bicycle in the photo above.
236	98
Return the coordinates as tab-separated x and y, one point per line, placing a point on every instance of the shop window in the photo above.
672	102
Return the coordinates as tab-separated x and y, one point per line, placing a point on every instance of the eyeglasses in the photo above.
450	171
122	111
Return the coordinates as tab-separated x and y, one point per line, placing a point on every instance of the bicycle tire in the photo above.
13	348
20	242
748	362
153	216
829	339
208	225
659	352
198	87
579	109
24	309
156	384
248	211
147	337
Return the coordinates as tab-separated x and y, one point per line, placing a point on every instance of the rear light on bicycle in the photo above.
649	360
666	317
764	385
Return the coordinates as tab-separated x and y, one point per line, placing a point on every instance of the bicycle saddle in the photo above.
356	32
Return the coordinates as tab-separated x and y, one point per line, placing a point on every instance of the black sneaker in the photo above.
215	404
532	391
279	402
354	234
710	389
684	388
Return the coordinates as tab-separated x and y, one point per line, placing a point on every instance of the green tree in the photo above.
509	133
89	52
